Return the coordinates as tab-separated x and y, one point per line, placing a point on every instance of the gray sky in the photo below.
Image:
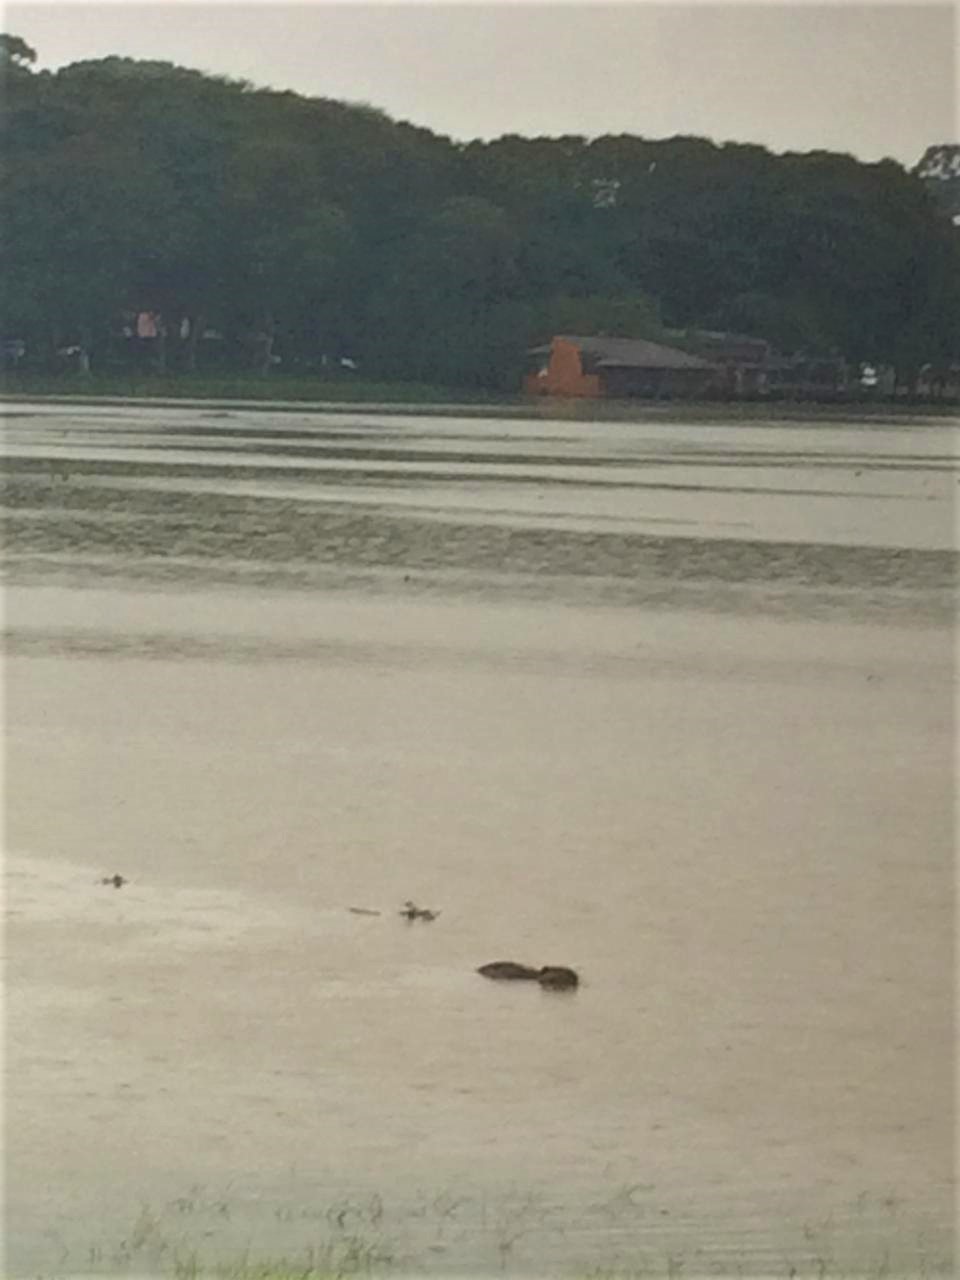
876	80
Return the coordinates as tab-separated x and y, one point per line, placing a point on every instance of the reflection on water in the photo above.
815	520
669	703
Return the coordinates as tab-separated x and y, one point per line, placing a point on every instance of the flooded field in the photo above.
671	703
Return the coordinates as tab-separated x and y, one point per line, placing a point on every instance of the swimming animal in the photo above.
507	970
116	881
552	977
556	977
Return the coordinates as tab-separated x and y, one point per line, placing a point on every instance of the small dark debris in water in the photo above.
412	912
363	911
117	881
406	577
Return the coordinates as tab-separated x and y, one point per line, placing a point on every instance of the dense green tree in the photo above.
623	315
15	53
939	170
445	308
304	226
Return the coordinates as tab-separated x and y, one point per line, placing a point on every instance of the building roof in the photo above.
739	348
630	353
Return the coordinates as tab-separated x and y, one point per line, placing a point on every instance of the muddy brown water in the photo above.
669	703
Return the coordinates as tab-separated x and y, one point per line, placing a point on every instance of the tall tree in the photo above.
321	226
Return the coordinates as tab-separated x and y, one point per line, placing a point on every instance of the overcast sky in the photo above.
875	80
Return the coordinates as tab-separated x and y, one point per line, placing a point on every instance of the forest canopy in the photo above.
315	228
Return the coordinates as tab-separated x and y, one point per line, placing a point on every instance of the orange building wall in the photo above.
564	375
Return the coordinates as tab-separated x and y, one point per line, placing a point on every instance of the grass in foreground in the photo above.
670	1268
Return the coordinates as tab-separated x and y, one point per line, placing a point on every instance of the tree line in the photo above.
299	228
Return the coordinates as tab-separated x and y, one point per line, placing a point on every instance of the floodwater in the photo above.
668	702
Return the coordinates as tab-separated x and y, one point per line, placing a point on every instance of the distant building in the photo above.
744	362
753	368
710	364
810	378
573	365
940	381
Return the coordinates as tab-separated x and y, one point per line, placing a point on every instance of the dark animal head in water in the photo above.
557	978
117	881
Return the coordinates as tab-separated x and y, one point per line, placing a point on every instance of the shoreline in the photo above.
431	401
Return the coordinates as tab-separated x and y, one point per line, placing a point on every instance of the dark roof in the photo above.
720	335
630	353
738	347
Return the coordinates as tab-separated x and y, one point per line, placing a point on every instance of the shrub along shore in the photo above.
283	391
